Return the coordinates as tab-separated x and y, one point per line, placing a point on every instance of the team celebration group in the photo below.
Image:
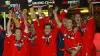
36	35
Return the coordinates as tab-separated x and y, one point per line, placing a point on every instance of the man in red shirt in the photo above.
34	42
72	40
87	31
48	38
17	43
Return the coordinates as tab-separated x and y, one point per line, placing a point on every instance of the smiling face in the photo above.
43	15
18	34
69	24
78	18
47	29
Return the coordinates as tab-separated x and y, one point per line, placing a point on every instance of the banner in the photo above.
38	3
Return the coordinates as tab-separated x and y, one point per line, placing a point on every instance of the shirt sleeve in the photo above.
91	27
37	28
62	15
63	29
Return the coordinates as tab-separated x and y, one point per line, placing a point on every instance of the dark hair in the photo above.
16	29
79	14
48	24
73	22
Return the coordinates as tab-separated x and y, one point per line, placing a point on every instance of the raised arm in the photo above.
90	8
26	25
56	17
8	25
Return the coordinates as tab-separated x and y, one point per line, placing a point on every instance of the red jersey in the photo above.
7	44
34	45
71	40
16	48
88	46
50	48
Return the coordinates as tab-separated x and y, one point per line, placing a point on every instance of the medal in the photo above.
47	39
19	45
